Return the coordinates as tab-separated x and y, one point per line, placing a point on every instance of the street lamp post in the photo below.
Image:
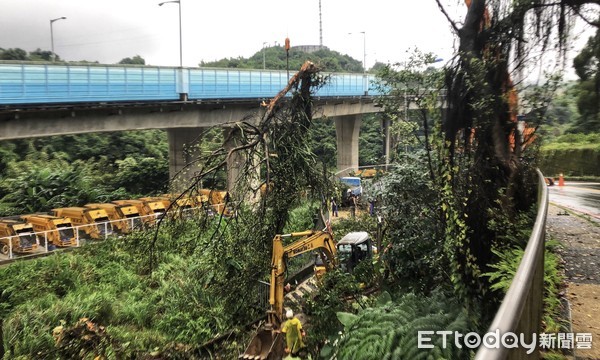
52	36
178	2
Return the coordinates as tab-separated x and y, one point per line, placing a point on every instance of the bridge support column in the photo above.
235	163
347	130
237	166
184	148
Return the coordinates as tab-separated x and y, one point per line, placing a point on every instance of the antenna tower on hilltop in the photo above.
320	26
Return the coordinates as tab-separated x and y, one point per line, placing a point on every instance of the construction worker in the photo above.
293	334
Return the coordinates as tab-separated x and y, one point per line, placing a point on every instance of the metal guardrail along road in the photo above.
522	307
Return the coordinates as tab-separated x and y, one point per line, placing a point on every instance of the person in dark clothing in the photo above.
334	207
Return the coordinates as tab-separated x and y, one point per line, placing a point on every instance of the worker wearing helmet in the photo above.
293	334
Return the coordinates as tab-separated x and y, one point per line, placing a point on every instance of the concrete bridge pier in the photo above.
184	148
347	130
239	168
235	162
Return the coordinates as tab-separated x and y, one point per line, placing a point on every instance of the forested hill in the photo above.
275	59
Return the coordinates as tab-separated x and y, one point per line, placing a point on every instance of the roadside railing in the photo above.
522	307
263	294
43	239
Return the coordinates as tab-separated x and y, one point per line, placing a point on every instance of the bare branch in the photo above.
443	10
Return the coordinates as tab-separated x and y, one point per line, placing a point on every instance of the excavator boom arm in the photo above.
314	240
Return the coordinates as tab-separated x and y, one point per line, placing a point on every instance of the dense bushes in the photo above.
389	329
572	154
41	174
107	284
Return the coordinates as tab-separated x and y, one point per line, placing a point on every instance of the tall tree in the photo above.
13	54
39	55
136	60
587	67
485	170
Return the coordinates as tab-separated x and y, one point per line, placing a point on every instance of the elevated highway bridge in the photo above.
45	99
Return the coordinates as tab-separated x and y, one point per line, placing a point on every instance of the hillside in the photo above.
275	59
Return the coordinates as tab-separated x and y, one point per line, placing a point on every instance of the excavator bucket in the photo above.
266	345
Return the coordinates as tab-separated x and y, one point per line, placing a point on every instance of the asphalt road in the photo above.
579	196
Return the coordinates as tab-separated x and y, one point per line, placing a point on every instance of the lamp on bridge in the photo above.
52	35
178	2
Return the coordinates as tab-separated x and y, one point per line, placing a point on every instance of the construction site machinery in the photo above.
186	202
354	248
16	237
186	205
149	210
163	199
124	218
268	342
217	199
93	222
58	231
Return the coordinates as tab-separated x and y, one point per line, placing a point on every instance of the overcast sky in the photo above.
109	30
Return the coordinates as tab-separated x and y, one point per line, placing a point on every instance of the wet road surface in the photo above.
579	196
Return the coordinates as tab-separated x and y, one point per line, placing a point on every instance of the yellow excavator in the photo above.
268	342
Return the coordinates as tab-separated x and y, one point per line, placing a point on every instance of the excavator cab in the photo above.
354	248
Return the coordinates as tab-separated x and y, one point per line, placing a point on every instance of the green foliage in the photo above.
412	245
142	176
22	55
586	67
275	59
42	184
572	154
323	306
301	217
408	85
323	142
40	55
505	269
13	54
136	60
389	329
370	141
513	231
181	301
574	141
71	170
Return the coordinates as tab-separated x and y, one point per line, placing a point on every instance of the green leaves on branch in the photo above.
389	330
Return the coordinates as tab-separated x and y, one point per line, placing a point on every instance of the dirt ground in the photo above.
580	251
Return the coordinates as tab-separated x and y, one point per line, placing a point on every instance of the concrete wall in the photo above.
347	130
184	147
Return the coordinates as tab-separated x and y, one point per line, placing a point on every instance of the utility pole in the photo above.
320	26
52	36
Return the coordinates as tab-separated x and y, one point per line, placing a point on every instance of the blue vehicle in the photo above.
353	188
354	184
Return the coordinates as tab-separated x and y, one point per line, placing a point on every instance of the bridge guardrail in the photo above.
45	83
522	307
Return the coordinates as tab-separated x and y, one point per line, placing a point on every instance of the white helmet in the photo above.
289	314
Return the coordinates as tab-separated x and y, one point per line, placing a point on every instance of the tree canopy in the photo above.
136	60
587	67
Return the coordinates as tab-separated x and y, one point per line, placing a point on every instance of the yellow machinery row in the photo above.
97	220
